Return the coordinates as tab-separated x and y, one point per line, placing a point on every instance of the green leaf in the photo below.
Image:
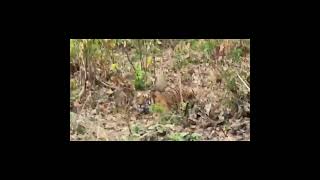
236	54
157	108
149	60
195	137
178	136
114	67
139	77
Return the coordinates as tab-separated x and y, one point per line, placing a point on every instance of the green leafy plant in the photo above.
74	94
193	137
74	49
236	54
137	129
194	44
177	136
114	67
183	106
139	81
156	108
160	129
208	47
180	62
230	79
81	129
231	85
73	84
170	118
184	136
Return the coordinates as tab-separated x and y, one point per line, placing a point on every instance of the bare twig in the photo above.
180	89
128	123
140	50
107	85
130	61
154	69
85	101
98	132
243	82
225	134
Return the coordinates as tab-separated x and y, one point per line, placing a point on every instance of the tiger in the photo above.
169	99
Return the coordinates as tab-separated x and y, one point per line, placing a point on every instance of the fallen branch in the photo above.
128	122
85	101
243	82
107	85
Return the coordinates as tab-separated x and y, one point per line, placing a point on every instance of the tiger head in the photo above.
142	102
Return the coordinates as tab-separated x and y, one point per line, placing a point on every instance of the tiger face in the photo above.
142	102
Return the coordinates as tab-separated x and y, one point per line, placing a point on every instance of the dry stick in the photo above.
98	131
127	119
154	70
111	56
128	123
130	61
243	82
146	65
110	86
224	133
107	85
180	90
140	52
85	101
85	75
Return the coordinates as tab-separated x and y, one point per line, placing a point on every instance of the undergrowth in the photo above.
104	60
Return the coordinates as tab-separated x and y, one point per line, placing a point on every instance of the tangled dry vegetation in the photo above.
155	90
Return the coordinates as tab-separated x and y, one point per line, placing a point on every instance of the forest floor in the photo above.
220	110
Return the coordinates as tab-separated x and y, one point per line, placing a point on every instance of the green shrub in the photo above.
209	46
236	54
139	81
170	118
184	136
193	137
157	108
